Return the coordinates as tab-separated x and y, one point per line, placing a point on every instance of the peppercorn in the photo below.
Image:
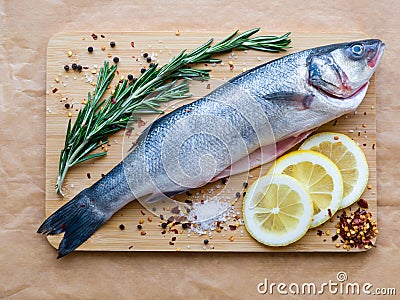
122	226
237	195
79	68
90	49
205	242
130	77
112	44
139	226
116	59
74	66
164	225
66	67
67	105
145	55
149	59
143	70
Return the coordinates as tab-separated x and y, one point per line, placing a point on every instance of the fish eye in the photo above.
357	50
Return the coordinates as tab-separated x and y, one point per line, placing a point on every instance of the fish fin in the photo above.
301	100
78	218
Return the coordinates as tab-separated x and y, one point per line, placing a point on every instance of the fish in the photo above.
246	122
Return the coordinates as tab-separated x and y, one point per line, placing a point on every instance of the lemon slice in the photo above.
348	157
320	176
277	210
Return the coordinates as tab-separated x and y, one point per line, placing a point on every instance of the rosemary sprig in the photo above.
100	117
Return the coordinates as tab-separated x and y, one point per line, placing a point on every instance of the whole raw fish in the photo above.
246	122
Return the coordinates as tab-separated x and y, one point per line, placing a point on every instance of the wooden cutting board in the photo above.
72	87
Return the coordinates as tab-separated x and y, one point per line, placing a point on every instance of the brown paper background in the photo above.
28	268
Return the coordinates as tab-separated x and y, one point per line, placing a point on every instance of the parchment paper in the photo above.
28	268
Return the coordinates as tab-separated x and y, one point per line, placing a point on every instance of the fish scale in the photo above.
248	121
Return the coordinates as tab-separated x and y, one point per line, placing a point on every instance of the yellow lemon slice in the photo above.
320	176
277	210
348	157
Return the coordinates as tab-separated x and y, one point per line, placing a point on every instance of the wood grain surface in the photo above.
72	87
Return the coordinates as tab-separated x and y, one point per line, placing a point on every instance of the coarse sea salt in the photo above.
206	214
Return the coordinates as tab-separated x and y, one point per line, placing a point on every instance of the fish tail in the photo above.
79	219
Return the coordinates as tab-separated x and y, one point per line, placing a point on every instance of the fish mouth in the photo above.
374	61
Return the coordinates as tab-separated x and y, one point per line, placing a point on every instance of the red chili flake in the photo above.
82	205
171	219
231	67
173	238
94	36
208	86
141	123
54	90
175	210
143	232
362	203
188	201
175	231
319	232
232	227
128	132
133	44
86	67
88	175
335	237
187	110
113	101
163	232
329	212
142	212
63	226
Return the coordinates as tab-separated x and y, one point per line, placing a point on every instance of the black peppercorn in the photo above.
79	67
143	70
90	49
122	226
66	67
205	242
67	105
149	59
130	77
112	44
164	225
116	59
145	55
139	226
74	66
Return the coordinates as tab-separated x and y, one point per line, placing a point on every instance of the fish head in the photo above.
343	71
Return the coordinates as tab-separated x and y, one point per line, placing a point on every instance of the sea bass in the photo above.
244	123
